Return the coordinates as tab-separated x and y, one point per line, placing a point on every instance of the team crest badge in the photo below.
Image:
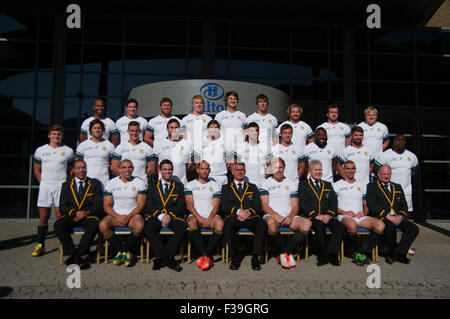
141	150
302	127
270	121
133	188
287	187
329	152
342	128
365	153
221	145
239	117
409	159
204	120
293	152
182	147
378	129
211	189
63	153
104	148
359	189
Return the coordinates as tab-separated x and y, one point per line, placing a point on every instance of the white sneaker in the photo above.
292	262
284	261
411	252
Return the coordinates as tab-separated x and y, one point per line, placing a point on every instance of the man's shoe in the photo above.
359	259
158	264
84	263
118	260
283	259
174	265
209	262
39	250
411	252
390	260
322	261
235	264
128	259
199	262
292	262
334	260
71	260
255	263
403	260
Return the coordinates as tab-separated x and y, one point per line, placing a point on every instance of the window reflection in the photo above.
16	112
17	84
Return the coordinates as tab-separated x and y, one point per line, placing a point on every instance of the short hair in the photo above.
198	97
321	129
370	109
292	106
356	128
286	127
164	100
277	159
314	162
349	162
134	123
212	122
132	101
164	162
252	124
172	121
262	97
332	106
203	161
78	160
126	160
99	99
56	127
96	121
237	163
229	93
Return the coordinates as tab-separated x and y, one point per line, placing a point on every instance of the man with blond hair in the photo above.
302	134
376	134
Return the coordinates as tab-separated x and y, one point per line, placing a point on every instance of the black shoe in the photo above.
235	264
158	264
321	261
403	260
173	264
71	260
84	263
255	263
334	260
390	260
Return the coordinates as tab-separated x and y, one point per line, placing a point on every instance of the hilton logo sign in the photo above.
213	94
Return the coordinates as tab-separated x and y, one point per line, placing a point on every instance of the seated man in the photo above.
165	208
203	201
353	210
241	207
80	205
319	203
279	198
387	202
123	202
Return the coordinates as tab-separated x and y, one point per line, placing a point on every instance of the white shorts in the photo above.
356	219
48	195
266	215
219	179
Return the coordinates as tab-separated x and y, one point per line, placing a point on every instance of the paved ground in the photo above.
23	276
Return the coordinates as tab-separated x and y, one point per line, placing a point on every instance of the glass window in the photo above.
14	203
195	62
73	83
302	90
260	35
91	84
221	62
336	39
114	85
361	66
17	55
398	120
433	42
395	41
309	64
282	85
71	112
361	40
155	31
393	94
309	38
392	67
34	211
102	30
73	57
46	27
195	32
131	81
434	94
40	137
43	112
17	83
221	34
15	169
104	58
155	60
256	63
435	121
362	92
20	145
436	176
18	26
45	84
336	66
71	136
114	109
45	58
16	112
435	148
436	205
337	91
433	68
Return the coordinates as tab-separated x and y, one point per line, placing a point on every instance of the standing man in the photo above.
302	132
139	153
231	121
196	122
279	198
376	134
51	164
165	208
156	129
131	114
81	204
353	211
241	207
110	131
123	202
291	154
387	202
96	152
321	150
318	202
267	122
359	154
338	133
202	202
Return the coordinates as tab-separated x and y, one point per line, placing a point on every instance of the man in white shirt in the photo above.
202	197
360	154
51	167
110	131
156	129
96	152
131	111
290	153
196	122
353	211
303	133
338	133
231	121
376	134
266	121
404	165
279	199
322	151
123	202
142	155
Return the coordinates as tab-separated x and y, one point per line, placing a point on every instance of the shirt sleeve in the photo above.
79	153
37	156
114	131
117	154
84	128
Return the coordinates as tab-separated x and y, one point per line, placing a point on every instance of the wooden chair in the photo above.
328	232
284	231
163	231
241	232
124	231
80	231
204	232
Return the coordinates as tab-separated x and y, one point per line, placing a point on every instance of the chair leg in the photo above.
141	246
342	252
106	251
99	247
148	251
189	250
182	251
223	250
307	249
266	249
60	254
226	253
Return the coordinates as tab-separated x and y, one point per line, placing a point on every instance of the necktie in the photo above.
386	188
317	184
240	187
81	189
166	189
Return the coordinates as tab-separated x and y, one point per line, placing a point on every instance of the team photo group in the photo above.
222	175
